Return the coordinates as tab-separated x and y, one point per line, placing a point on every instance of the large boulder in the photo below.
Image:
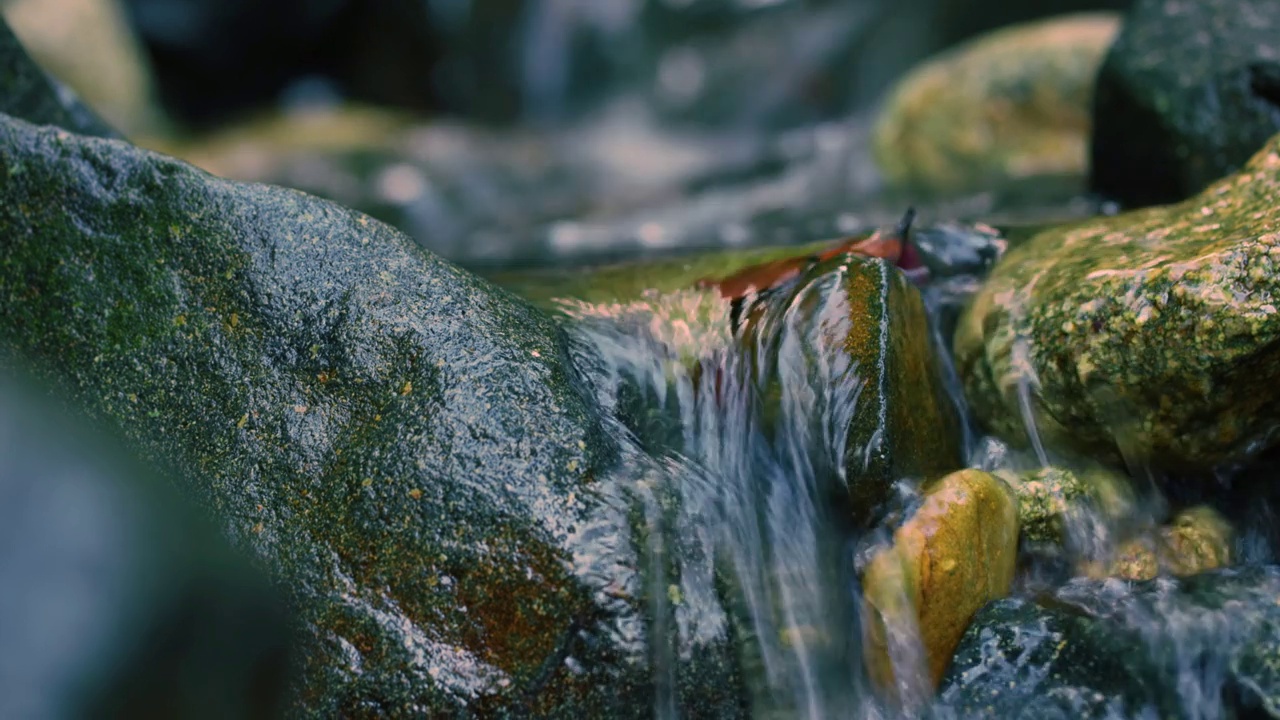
999	108
1187	94
1150	334
405	446
117	599
1205	646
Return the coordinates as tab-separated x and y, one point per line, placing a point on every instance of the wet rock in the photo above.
1150	334
31	95
1044	498
866	311
1048	495
119	599
1019	660
1197	540
956	553
1003	107
1203	646
89	45
403	445
1186	95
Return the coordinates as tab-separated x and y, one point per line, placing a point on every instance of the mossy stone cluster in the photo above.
1152	333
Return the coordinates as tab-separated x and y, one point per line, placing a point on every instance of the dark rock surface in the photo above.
1205	646
1188	92
117	599
404	445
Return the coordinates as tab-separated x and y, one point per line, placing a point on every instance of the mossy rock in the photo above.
1151	333
1197	540
1048	495
405	446
955	554
1008	105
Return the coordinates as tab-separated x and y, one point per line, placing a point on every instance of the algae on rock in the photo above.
405	446
1150	335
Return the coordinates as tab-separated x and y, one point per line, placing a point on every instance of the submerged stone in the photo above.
403	445
1204	646
956	553
1005	106
1150	335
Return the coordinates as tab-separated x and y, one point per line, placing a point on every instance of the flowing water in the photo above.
732	425
743	435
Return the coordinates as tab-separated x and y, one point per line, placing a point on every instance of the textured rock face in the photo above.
1187	94
1207	644
116	598
402	444
1152	332
952	556
1008	105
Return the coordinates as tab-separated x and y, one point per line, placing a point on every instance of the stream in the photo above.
732	425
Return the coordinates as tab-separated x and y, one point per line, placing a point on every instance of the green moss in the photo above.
401	443
1153	330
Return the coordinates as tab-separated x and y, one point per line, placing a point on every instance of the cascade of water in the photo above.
748	434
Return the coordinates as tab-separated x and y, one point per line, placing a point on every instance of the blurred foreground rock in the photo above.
117	599
29	93
89	45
